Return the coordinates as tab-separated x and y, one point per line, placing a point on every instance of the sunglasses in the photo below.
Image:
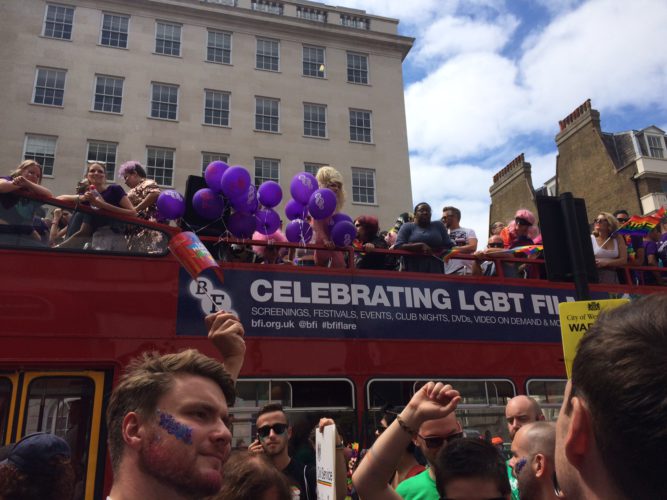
522	222
437	441
599	221
278	429
495	245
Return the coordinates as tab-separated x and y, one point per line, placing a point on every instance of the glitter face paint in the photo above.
520	464
175	428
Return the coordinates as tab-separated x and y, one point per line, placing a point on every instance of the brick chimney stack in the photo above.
580	117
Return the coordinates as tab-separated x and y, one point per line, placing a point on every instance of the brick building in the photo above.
609	170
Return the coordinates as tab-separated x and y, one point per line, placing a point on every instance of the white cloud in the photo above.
468	105
556	7
450	36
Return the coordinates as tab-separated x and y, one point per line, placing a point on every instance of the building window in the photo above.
105	153
313	61
114	31
312	168
164	101
42	149
168	39
216	108
49	86
268	54
219	48
357	68
311	14
267	6
362	23
222	2
266	170
160	165
58	22
266	114
207	158
655	146
363	185
315	120
108	94
360	125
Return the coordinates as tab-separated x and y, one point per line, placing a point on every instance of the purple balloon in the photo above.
242	225
336	218
235	181
269	194
247	202
295	210
208	204
343	233
171	204
298	231
303	185
322	203
268	221
213	174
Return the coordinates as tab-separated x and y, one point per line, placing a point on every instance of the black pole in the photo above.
575	247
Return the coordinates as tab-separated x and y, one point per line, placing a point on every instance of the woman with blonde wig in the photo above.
609	248
330	178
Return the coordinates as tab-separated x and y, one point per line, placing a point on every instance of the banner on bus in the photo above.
291	304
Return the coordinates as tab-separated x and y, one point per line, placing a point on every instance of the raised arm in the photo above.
226	332
341	465
371	479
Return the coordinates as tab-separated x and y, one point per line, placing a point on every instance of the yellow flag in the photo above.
575	320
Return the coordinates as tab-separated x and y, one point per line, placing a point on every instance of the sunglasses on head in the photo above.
522	222
278	429
496	245
438	441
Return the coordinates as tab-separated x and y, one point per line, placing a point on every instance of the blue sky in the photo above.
487	80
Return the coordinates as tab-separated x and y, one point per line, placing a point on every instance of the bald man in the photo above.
520	410
533	460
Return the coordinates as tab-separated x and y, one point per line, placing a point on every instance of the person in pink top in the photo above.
328	177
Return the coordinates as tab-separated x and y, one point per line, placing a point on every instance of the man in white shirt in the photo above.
464	239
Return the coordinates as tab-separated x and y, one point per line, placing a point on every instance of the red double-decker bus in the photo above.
335	342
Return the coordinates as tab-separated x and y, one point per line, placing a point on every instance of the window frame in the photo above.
364	170
269	57
211	31
323	63
122	94
127	33
315	123
41	162
214	157
355	126
660	147
310	164
46	16
34	87
262	177
173	165
228	110
367	71
158	22
110	173
265	117
150	111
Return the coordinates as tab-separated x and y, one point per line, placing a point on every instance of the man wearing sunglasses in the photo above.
429	421
273	435
483	267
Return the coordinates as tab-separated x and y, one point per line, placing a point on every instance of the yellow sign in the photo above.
575	320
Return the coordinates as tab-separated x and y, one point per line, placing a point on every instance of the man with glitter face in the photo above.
533	460
168	420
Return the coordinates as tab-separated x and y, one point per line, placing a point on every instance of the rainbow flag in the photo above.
641	225
193	255
528	249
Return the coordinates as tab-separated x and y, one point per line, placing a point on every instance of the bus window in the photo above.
5	402
305	401
549	393
63	406
481	411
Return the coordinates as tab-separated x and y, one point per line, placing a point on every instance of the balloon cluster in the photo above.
254	207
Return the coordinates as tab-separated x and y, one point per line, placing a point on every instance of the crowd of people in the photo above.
425	245
169	432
